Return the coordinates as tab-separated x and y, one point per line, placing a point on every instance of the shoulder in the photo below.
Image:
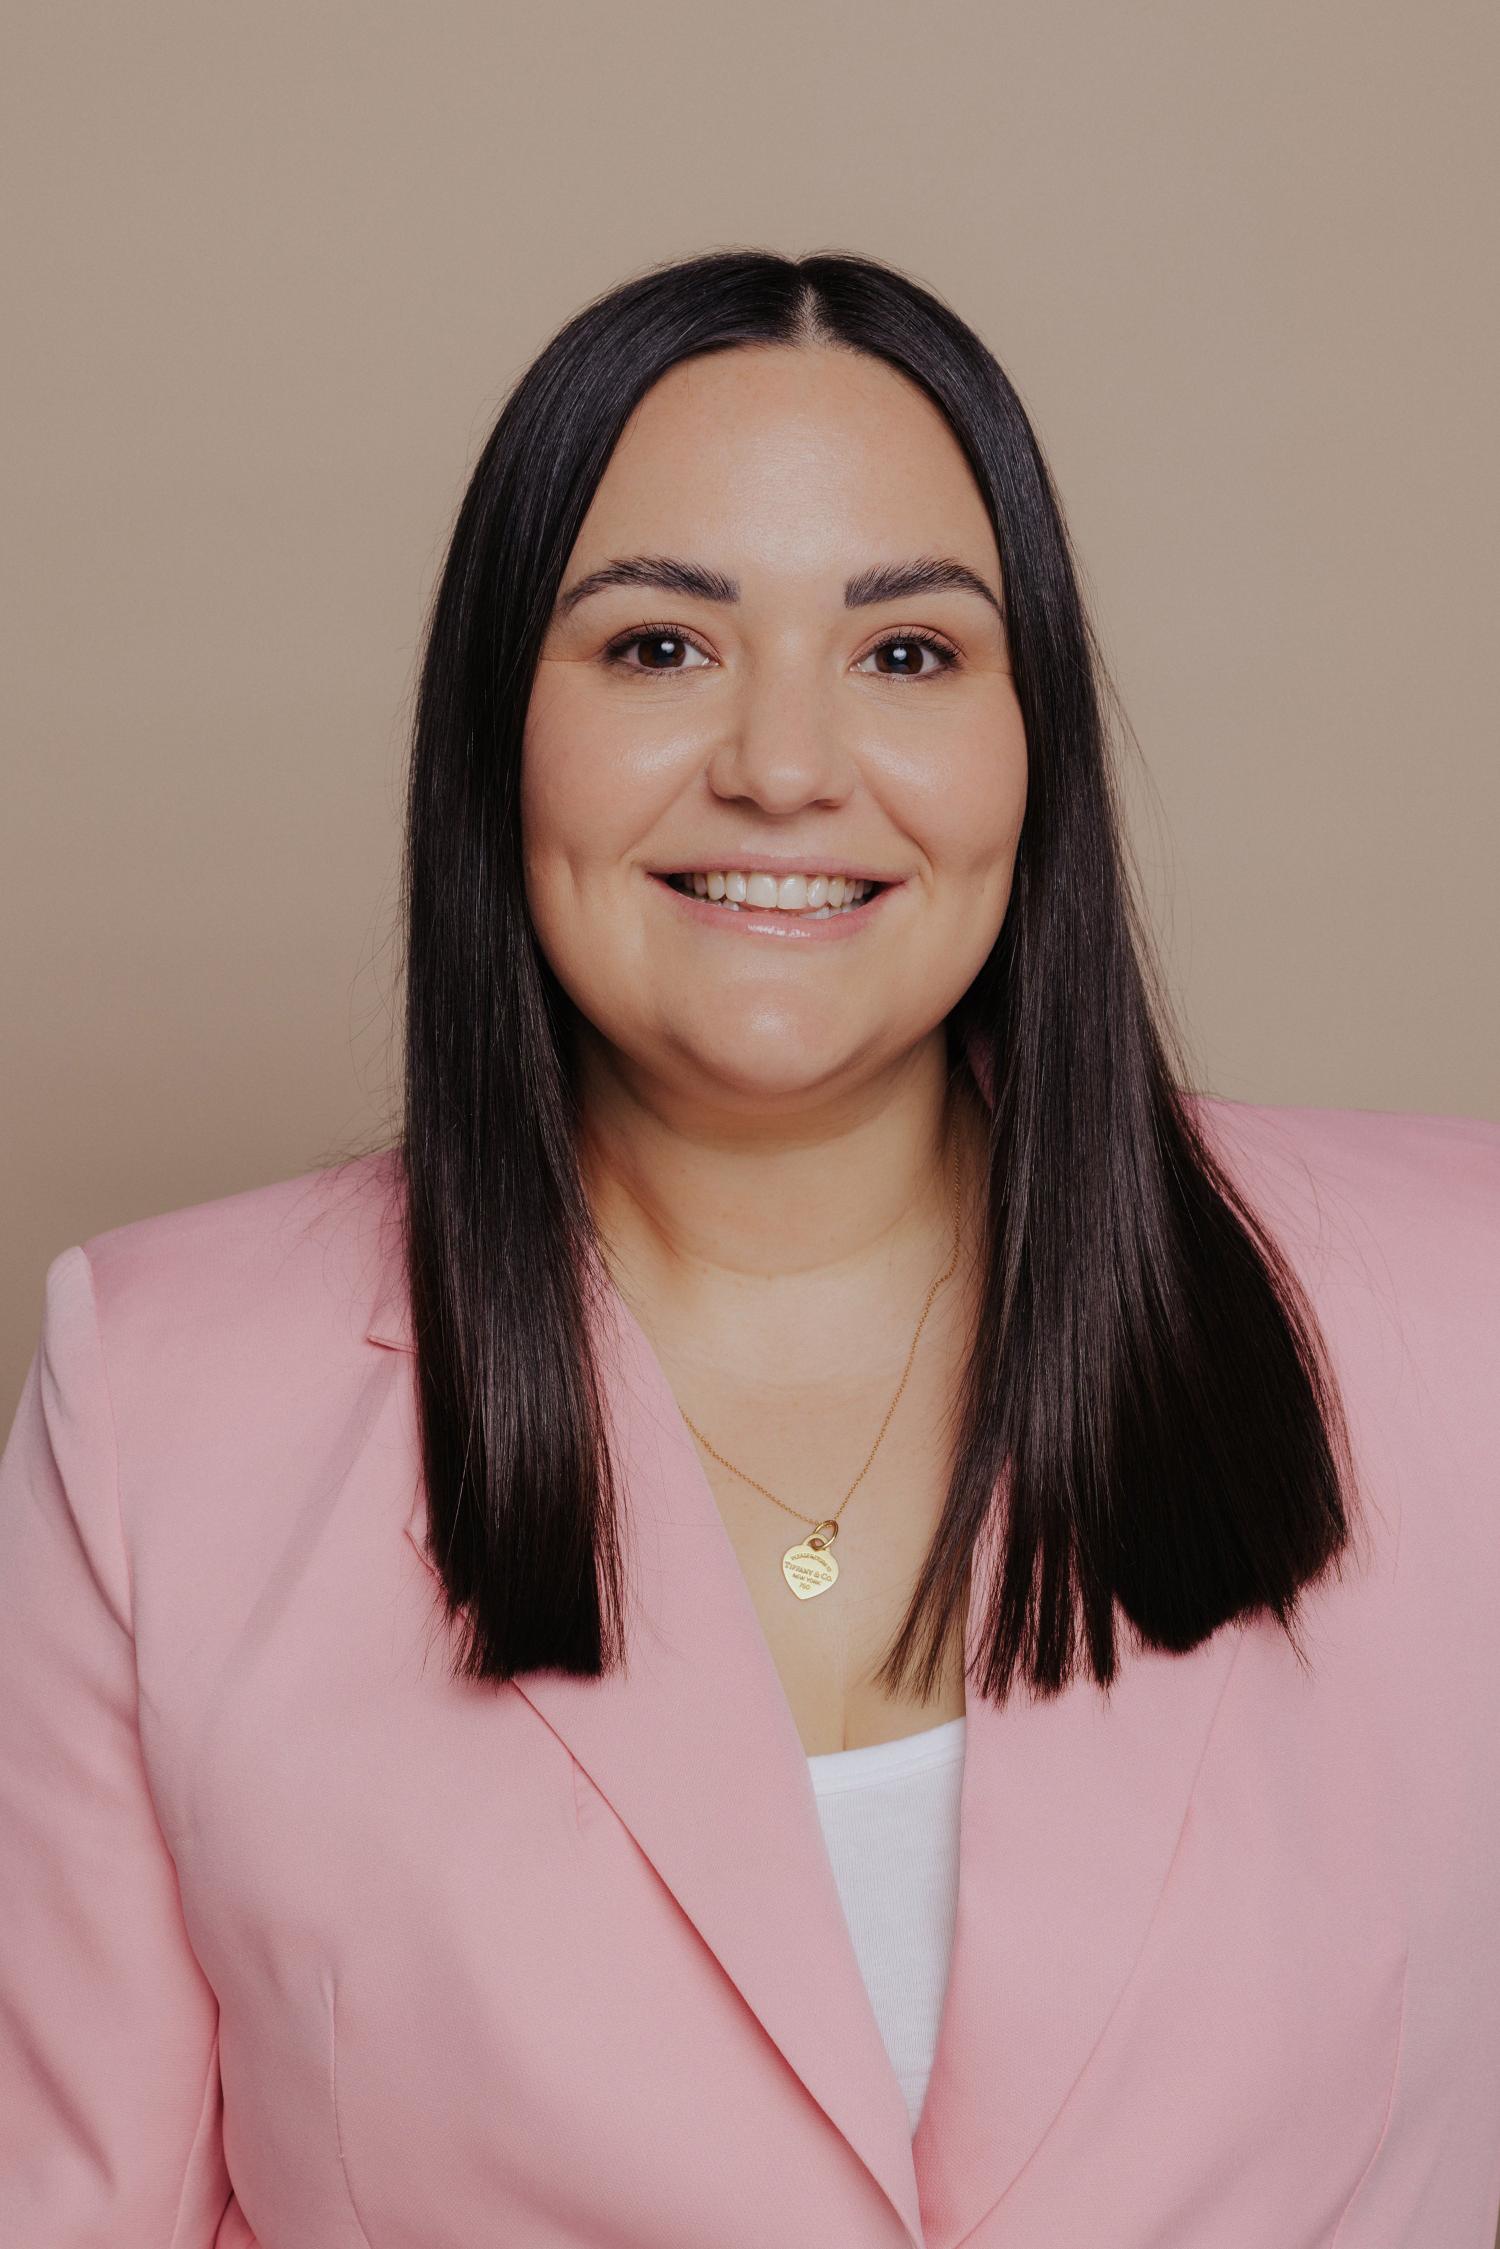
1391	1222
195	1365
1424	1158
1417	1193
272	1282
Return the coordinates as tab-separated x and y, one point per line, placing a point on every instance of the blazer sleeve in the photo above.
109	2080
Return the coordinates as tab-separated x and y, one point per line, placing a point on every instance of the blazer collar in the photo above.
695	1748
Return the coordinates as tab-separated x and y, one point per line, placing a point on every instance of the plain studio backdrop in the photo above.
271	272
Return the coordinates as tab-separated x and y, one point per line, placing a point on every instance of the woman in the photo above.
900	1716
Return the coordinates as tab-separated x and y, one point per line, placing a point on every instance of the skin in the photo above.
764	1120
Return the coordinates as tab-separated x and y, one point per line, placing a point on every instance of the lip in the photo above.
768	921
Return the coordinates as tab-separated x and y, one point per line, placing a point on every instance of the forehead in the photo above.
788	457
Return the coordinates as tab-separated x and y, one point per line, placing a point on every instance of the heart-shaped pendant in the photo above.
809	1567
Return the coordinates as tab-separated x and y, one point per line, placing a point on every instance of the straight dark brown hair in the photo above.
1148	1419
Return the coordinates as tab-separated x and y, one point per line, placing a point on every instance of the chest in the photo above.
829	1649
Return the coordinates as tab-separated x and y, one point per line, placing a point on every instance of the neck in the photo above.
772	1226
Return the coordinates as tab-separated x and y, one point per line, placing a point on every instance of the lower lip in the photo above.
800	929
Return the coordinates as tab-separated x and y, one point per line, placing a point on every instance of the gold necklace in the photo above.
809	1567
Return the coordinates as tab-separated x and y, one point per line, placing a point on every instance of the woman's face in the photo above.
751	701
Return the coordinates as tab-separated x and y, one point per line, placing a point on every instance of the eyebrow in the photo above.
886	581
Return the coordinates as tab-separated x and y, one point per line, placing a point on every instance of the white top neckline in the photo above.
884	1760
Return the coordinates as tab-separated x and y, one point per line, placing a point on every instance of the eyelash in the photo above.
622	641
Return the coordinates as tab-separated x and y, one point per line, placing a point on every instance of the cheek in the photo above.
564	807
580	825
591	786
972	803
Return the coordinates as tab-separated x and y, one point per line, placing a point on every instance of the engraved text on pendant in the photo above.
809	1567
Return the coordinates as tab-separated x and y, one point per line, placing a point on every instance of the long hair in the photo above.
1148	1419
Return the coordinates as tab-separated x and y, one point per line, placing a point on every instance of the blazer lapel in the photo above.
695	1748
1072	1809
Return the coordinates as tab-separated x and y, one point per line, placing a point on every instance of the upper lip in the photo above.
778	863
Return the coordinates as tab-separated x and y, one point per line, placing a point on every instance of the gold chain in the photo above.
809	1567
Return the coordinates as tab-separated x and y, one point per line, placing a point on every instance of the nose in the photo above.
783	743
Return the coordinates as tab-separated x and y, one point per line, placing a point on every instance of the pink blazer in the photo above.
303	1944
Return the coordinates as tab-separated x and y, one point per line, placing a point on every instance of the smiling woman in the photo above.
930	1746
808	613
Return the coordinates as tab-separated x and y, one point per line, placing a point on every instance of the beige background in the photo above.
271	271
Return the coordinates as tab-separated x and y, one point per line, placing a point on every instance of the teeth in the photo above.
813	895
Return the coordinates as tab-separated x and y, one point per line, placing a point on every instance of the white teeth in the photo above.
809	895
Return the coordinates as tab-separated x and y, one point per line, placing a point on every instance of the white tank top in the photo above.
890	1819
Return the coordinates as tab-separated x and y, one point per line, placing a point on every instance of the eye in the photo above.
907	650
667	649
667	646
